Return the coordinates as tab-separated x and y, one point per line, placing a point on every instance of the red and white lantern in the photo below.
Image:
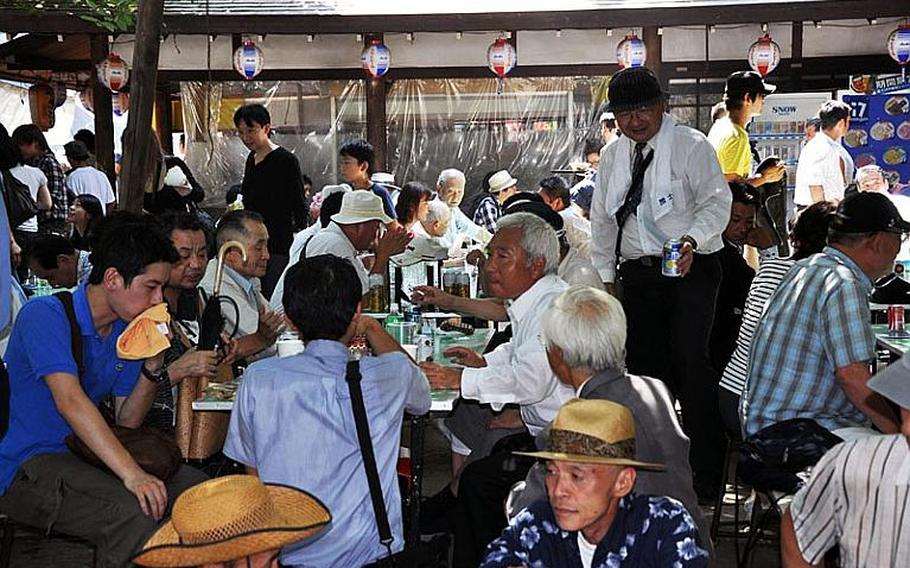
248	60
376	58
501	57
113	73
764	55
631	52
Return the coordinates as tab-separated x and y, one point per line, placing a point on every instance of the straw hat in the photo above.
593	431
501	180
232	517
360	207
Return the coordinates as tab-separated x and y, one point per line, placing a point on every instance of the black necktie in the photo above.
633	197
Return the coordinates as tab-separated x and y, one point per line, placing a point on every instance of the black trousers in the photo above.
669	326
482	491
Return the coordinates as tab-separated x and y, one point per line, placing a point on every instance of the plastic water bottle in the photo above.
425	342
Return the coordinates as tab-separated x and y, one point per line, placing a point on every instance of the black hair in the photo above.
232	225
555	187
330	206
360	150
231	195
45	249
409	198
485	183
128	243
521	196
592	147
250	114
9	152
307	180
30	134
742	193
321	294
87	137
809	232
172	221
92	206
831	113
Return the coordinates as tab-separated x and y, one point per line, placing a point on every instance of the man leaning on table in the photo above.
811	351
293	423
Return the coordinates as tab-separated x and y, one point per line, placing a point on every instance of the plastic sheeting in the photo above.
533	126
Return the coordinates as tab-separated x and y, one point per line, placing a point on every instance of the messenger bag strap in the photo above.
366	450
66	298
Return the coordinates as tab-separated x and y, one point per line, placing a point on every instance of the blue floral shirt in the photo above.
647	531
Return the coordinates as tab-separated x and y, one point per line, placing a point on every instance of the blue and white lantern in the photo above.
376	58
248	60
631	52
899	44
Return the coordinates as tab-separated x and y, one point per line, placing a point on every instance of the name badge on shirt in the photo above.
663	205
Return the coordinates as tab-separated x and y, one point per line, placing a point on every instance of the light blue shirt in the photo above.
294	423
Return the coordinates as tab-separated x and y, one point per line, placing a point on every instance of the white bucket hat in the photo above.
501	180
328	190
384	179
359	207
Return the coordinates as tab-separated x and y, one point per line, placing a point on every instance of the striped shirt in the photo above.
766	280
857	500
816	322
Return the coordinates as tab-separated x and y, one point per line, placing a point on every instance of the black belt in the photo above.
649	261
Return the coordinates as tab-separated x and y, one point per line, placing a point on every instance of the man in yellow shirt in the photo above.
744	98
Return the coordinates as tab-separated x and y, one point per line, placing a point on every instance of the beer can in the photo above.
672	254
896	321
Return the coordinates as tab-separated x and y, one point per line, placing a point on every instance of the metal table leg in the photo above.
417	424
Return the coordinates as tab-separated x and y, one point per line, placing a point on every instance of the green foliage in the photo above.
110	15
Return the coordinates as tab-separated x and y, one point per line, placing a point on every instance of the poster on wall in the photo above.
880	133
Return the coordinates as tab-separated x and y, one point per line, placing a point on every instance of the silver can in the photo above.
672	254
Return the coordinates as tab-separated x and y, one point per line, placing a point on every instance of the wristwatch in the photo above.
159	376
690	240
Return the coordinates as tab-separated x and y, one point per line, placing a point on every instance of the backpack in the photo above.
20	207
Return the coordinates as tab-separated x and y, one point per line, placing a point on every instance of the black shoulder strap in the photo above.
305	245
66	298
369	459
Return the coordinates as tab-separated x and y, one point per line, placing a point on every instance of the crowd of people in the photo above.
590	432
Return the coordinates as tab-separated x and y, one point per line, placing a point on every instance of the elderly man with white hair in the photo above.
870	178
450	187
438	221
584	334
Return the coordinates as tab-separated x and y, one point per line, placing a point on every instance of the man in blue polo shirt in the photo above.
43	484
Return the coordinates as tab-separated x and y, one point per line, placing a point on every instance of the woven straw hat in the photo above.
232	517
593	431
501	180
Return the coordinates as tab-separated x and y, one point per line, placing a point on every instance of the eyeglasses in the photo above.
638	113
902	234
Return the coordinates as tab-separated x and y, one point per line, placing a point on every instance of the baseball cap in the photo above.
742	82
868	212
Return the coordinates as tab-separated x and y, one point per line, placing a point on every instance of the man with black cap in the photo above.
85	178
811	351
661	181
857	497
744	98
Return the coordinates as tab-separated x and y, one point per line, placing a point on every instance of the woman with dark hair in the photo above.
35	152
413	205
807	237
85	214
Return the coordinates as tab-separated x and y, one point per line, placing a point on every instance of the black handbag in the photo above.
20	207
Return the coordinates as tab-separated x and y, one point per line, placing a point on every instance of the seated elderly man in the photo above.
354	229
585	337
313	443
521	269
857	497
54	259
811	351
439	218
241	282
450	188
592	518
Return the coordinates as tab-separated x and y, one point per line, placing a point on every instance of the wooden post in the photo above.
137	142
165	124
796	56
655	56
102	106
376	117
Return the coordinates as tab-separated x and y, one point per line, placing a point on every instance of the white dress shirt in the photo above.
248	297
819	164
684	193
460	224
578	229
300	240
517	372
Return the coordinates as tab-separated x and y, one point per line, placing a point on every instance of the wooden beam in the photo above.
104	113
137	167
376	116
15	21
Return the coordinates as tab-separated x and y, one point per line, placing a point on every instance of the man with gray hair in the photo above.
524	256
584	334
439	219
450	187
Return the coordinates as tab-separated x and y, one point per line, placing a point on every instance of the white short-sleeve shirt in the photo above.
819	164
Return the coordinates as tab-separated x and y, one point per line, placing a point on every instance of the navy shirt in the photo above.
648	530
40	345
383	194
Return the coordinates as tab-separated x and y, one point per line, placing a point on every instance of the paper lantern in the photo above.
120	103
376	58
113	73
501	57
899	44
631	52
41	105
248	60
764	55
